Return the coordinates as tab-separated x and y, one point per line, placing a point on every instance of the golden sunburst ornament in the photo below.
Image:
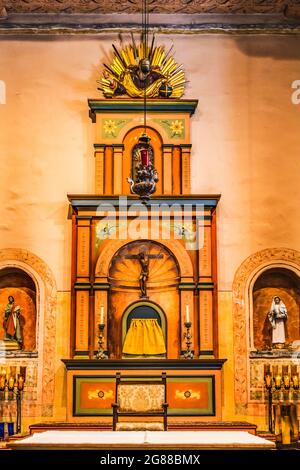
139	70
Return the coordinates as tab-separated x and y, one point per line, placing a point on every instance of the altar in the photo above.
142	440
144	272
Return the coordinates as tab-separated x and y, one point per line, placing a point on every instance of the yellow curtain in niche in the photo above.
144	337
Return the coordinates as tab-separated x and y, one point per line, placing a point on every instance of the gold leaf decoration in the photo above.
139	70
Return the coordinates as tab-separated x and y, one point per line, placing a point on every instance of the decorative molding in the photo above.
111	127
191	18
240	295
155	6
94	364
129	105
46	289
175	128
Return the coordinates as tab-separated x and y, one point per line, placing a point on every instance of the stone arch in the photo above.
245	277
45	283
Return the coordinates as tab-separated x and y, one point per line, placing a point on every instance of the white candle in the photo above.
187	314
101	315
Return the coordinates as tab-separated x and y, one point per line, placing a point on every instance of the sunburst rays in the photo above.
119	77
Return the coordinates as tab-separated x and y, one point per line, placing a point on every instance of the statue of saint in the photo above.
277	317
11	323
144	261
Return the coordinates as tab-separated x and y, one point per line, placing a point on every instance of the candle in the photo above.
20	383
286	381
278	381
101	315
11	383
145	157
187	314
268	380
295	382
2	383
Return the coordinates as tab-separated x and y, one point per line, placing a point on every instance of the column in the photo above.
82	287
99	168
185	168
117	168
205	285
167	168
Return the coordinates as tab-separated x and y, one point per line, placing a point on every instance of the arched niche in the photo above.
129	142
242	297
16	283
144	309
162	291
41	369
281	282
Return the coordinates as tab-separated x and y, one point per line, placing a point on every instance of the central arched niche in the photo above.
144	309
285	284
162	290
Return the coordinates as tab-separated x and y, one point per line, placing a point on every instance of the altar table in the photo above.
208	440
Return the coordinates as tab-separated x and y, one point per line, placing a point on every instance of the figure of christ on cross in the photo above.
144	259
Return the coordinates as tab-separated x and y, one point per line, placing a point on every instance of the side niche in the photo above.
17	293
285	284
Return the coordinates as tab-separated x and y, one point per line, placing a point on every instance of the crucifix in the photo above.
144	259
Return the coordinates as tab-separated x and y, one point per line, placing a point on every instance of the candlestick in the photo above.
188	353
11	386
101	354
187	314
101	315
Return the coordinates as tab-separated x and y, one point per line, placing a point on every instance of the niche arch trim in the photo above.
244	279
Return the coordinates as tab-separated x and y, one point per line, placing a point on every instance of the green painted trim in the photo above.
82	286
187	286
137	105
121	146
92	201
84	217
174	127
208	379
144	364
204	217
81	355
165	146
205	286
101	286
77	411
185	146
209	411
100	146
206	355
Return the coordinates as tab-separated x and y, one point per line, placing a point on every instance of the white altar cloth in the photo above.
142	440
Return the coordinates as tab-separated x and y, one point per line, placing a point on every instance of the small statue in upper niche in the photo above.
11	323
277	317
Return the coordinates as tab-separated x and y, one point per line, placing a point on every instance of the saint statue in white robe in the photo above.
277	317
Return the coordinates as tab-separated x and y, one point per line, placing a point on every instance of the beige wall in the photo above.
244	135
